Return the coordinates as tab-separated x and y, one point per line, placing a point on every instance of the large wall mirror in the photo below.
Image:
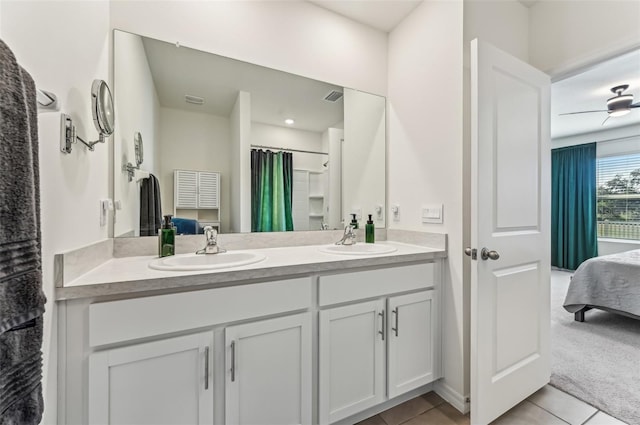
239	146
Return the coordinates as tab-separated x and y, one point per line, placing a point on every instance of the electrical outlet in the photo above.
395	212
106	205
379	210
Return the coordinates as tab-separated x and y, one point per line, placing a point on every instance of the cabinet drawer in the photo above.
116	321
354	286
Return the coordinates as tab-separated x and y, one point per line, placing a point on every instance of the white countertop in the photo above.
132	275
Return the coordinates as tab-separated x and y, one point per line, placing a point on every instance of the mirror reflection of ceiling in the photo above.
275	95
589	91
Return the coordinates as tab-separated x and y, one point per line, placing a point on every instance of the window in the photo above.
619	196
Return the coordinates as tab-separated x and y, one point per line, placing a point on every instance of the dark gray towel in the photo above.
150	210
21	297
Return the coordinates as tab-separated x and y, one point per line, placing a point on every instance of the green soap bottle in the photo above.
354	221
370	231
166	238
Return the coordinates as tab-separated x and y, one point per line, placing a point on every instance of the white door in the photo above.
351	359
411	342
268	372
510	217
162	382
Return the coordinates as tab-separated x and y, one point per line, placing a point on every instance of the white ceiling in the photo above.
380	14
589	91
275	95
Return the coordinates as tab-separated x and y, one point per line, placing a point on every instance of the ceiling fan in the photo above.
617	106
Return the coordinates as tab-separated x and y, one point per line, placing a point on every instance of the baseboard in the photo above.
452	397
372	411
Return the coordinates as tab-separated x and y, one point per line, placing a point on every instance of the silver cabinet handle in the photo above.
485	254
233	361
383	324
206	368
396	312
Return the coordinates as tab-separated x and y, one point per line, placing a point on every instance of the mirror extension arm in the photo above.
103	118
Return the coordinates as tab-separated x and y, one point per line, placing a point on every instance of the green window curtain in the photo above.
271	191
573	206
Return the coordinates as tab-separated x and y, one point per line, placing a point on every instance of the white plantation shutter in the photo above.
186	189
209	187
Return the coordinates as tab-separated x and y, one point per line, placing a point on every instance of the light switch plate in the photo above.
432	213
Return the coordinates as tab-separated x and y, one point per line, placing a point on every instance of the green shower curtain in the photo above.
271	191
573	206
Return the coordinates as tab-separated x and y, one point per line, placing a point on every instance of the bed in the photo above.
610	282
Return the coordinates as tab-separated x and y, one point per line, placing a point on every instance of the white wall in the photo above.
195	141
332	142
292	36
64	46
291	138
363	156
425	149
566	34
240	132
137	109
505	24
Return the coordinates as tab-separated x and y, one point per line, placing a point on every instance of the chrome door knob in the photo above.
471	252
486	254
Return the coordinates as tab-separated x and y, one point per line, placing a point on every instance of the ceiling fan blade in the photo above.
584	112
606	119
635	105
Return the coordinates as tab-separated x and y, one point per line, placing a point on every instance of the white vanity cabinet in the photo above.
411	341
351	359
320	347
162	382
268	371
376	350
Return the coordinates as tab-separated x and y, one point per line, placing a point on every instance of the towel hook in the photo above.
103	118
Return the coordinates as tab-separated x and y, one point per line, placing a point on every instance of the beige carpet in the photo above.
597	361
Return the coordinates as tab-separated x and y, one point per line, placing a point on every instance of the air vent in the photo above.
193	99
333	96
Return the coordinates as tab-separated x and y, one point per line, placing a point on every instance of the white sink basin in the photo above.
194	262
359	249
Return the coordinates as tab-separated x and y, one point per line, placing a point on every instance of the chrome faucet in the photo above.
349	236
212	246
324	226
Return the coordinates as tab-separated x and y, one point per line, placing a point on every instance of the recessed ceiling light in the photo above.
289	121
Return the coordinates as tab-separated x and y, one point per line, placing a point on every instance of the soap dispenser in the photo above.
166	238
370	231
354	221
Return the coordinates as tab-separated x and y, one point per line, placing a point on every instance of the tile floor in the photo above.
548	406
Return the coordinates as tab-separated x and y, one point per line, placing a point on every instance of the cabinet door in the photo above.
160	382
186	189
351	359
411	342
268	372
208	189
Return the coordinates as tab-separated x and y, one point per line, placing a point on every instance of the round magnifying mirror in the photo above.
137	143
102	106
